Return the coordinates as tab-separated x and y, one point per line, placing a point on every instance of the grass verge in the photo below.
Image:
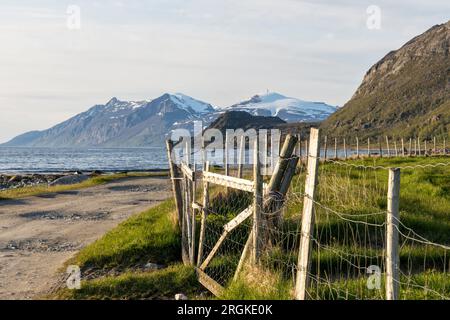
94	181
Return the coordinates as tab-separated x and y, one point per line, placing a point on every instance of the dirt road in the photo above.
38	234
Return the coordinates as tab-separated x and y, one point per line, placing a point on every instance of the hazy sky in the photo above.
219	51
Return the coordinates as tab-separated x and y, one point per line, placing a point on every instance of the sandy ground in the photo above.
38	234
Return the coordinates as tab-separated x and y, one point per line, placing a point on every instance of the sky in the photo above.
58	58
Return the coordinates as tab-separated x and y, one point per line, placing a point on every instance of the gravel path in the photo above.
38	234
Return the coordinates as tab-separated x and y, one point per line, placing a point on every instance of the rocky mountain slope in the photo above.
407	93
120	124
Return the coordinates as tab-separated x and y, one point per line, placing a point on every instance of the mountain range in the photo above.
148	123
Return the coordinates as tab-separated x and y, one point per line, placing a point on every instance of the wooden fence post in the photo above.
204	216
241	157
415	147
425	151
264	144
368	147
395	148
335	149
410	147
176	182
345	150
392	243
381	149
418	146
257	205
299	137
226	155
325	151
434	145
357	148
387	146
403	148
304	258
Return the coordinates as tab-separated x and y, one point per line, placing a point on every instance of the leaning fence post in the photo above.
304	258
204	216
257	204
392	244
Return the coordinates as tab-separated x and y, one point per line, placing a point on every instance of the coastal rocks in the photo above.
72	179
20	181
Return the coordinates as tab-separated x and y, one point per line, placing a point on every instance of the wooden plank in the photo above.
392	243
241	217
304	258
231	182
209	283
244	255
188	172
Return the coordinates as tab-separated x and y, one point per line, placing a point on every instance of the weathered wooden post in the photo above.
418	146
444	148
415	147
257	204
226	155
425	152
241	157
403	148
325	151
345	150
304	258
335	149
410	147
264	143
204	216
381	149
357	148
392	243
368	147
176	182
434	145
395	148
306	148
387	146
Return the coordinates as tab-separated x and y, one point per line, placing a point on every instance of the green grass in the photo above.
152	236
94	181
160	284
149	236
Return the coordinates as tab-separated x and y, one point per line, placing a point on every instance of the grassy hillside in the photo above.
406	94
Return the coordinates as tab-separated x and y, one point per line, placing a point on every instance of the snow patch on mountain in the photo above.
287	108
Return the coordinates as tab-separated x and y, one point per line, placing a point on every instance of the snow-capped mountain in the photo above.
148	123
121	124
289	109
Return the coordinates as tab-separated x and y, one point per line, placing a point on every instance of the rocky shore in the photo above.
26	180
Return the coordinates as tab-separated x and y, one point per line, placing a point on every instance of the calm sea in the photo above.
47	160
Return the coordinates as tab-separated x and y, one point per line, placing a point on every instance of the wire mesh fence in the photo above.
349	238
